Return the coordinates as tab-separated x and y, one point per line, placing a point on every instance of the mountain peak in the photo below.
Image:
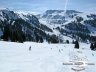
7	9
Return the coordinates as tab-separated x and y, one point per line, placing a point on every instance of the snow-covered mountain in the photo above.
59	16
72	23
51	25
14	26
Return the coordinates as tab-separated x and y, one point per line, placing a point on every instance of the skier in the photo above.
30	48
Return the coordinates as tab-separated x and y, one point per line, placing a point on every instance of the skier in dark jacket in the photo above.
30	48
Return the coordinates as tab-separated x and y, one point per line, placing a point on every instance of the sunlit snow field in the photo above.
44	57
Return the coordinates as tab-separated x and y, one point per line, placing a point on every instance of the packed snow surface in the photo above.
44	57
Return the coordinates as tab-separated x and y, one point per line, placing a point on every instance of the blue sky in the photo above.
42	5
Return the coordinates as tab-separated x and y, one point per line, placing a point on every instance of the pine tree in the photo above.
54	39
92	46
41	39
37	37
95	46
76	45
67	41
6	32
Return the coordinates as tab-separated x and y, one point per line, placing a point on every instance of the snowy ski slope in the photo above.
43	57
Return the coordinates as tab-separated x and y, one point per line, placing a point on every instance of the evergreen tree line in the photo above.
13	34
18	33
21	31
82	36
91	22
53	39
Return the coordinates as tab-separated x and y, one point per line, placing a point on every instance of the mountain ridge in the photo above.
73	24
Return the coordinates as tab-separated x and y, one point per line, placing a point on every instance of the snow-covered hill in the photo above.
44	57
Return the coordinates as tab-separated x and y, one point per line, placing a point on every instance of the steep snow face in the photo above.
43	57
29	18
58	16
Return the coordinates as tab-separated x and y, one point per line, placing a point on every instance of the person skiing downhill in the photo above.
30	48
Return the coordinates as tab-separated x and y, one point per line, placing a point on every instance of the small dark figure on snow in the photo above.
92	46
76	45
30	48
